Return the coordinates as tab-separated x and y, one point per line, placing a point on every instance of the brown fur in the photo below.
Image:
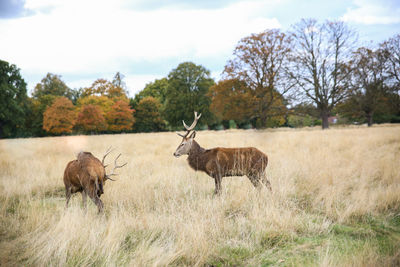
87	175
222	162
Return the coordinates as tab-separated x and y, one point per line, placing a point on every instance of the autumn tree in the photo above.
91	119
60	117
319	63
187	91
13	101
49	88
102	87
148	117
104	103
120	117
232	100
119	90
260	61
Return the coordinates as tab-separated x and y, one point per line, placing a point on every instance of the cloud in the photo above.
74	37
371	12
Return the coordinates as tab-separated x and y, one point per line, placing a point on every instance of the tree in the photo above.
13	101
34	118
260	61
59	118
232	100
392	48
187	90
103	87
52	85
91	119
320	70
120	117
104	103
148	117
368	78
156	89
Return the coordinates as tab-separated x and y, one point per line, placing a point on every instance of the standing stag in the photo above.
87	175
222	162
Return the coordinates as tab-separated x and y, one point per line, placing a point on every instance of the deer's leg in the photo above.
67	195
266	182
255	180
94	197
99	204
218	187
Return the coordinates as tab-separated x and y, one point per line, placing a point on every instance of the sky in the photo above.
84	40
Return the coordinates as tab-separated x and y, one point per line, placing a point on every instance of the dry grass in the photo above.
336	201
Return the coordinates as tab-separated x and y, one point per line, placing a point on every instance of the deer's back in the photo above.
71	174
237	161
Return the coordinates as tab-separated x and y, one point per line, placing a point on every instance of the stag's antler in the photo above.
188	129
116	166
196	118
105	155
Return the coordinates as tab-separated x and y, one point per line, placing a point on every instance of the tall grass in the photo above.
335	201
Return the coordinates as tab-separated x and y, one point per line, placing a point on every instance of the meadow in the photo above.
335	202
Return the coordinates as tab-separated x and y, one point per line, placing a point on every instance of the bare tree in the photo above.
259	61
392	48
369	73
319	63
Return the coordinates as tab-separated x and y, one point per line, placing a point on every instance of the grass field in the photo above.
335	202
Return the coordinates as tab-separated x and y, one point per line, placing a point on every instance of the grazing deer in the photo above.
222	162
87	175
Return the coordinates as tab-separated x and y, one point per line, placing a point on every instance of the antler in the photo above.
116	166
105	155
196	118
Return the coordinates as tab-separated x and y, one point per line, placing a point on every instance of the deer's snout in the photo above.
176	155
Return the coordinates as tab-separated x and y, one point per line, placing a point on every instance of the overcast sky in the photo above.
83	40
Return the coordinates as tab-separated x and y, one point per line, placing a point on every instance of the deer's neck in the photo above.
196	157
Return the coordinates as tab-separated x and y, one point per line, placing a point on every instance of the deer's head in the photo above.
187	139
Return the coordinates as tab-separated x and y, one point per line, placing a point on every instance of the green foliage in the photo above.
187	90
296	121
34	119
232	124
13	101
156	89
148	117
52	85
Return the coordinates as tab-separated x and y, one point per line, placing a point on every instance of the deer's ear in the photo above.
192	136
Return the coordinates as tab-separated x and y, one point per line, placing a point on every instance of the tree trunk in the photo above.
369	119
325	122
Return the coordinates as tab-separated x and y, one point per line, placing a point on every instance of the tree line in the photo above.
301	77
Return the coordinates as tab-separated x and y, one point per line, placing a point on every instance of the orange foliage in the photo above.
232	100
102	87
103	102
60	117
120	118
90	118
